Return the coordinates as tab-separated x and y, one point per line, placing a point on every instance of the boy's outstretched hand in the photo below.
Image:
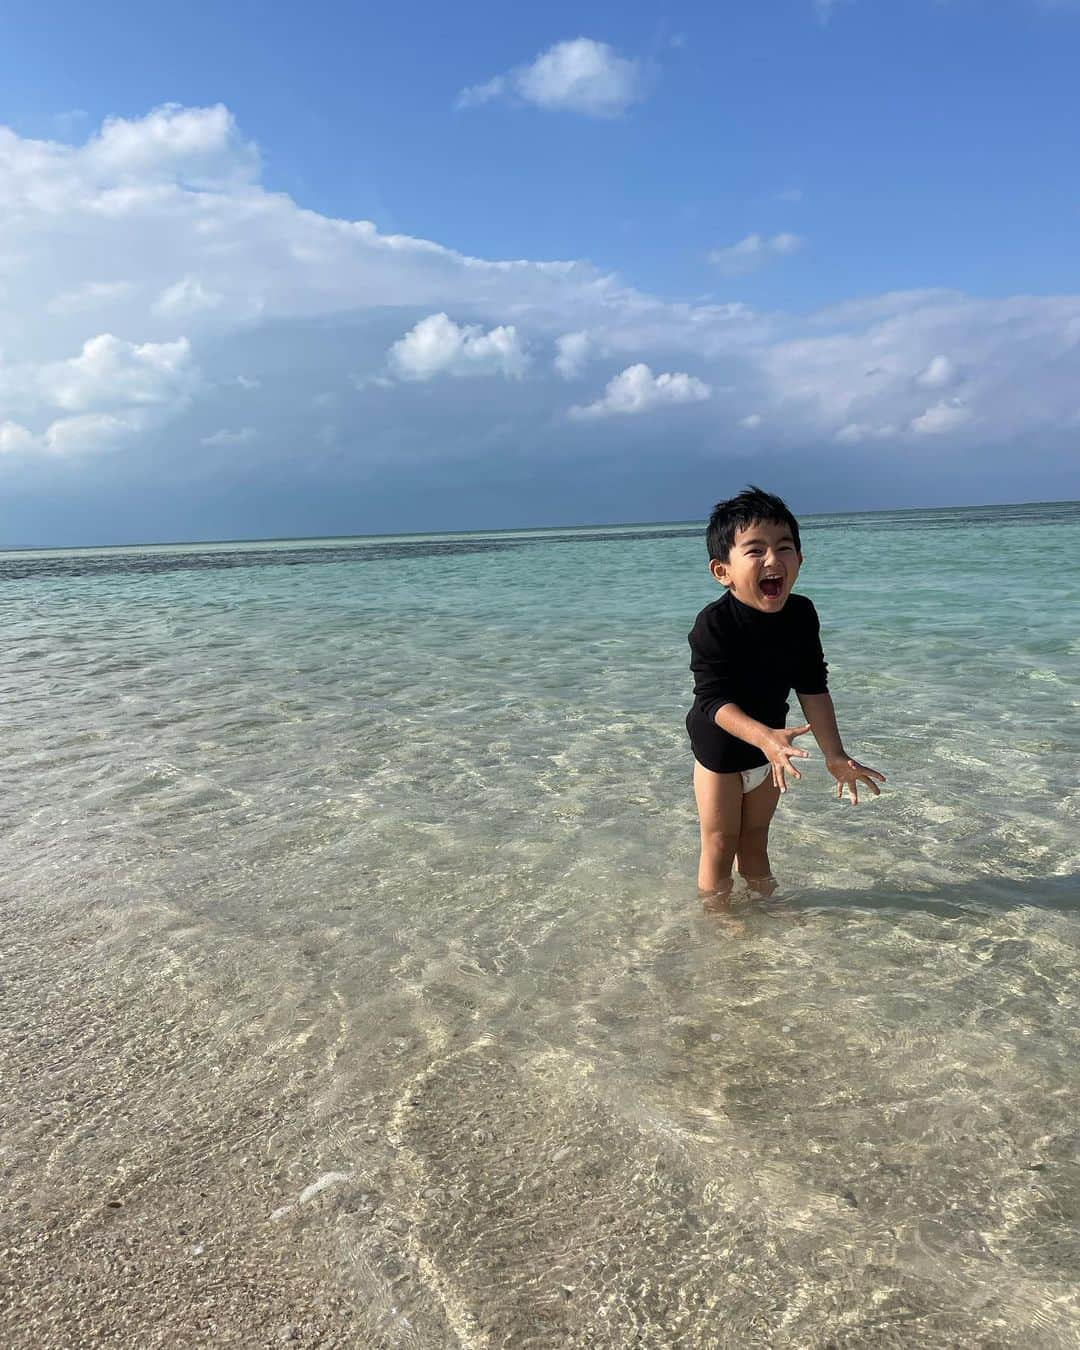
779	751
849	772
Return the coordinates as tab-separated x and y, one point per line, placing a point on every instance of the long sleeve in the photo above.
812	672
711	664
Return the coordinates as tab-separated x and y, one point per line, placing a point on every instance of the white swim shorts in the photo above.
752	778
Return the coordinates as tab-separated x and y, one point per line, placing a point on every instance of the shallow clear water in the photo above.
349	922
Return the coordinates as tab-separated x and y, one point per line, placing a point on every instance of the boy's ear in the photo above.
719	571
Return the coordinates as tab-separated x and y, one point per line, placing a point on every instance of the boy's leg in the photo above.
720	804
753	845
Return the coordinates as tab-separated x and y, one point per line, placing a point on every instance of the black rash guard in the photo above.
744	656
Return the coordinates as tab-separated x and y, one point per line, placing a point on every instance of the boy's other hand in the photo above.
849	772
779	751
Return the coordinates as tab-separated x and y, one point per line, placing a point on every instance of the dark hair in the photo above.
750	506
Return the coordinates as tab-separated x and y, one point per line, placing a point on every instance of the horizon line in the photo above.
510	529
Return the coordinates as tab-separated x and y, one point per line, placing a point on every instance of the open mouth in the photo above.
772	587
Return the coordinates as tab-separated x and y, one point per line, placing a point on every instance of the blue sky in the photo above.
832	247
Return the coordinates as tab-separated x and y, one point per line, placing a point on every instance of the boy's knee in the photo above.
754	839
719	841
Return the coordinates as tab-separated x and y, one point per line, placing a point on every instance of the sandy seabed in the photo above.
176	1173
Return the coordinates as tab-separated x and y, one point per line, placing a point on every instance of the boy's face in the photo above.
762	566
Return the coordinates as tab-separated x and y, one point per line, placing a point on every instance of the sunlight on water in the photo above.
353	959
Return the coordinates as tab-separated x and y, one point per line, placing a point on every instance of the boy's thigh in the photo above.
758	808
719	801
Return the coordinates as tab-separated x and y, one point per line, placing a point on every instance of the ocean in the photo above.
352	952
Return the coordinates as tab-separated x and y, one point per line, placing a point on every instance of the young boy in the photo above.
747	651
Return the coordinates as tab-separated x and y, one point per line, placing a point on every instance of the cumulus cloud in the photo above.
942	417
114	387
439	346
938	374
581	75
751	422
109	370
93	433
638	390
749	253
90	243
15	439
185	297
85	433
571	355
200	145
857	433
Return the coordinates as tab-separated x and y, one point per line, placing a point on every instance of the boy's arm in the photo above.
819	712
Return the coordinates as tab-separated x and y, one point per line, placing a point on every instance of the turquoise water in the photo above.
368	866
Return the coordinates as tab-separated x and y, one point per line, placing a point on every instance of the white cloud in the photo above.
93	433
226	437
110	371
66	437
439	346
571	355
200	145
16	439
857	433
638	390
114	388
939	374
751	422
476	94
186	297
581	75
751	252
89	241
107	372
942	417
